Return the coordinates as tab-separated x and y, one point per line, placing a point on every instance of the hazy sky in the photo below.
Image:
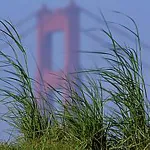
16	10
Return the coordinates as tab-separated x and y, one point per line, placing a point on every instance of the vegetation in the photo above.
86	120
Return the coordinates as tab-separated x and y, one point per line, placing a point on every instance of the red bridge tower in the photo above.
65	20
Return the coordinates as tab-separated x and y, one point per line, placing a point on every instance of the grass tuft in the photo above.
86	120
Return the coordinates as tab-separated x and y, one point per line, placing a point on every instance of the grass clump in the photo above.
85	120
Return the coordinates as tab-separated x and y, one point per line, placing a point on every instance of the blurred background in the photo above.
23	15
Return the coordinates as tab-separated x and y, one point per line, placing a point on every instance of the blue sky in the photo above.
17	10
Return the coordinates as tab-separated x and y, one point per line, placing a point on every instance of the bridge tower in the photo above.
67	21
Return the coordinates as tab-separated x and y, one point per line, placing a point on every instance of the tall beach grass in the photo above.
87	120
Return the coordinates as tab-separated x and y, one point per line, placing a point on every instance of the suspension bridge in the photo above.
66	20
